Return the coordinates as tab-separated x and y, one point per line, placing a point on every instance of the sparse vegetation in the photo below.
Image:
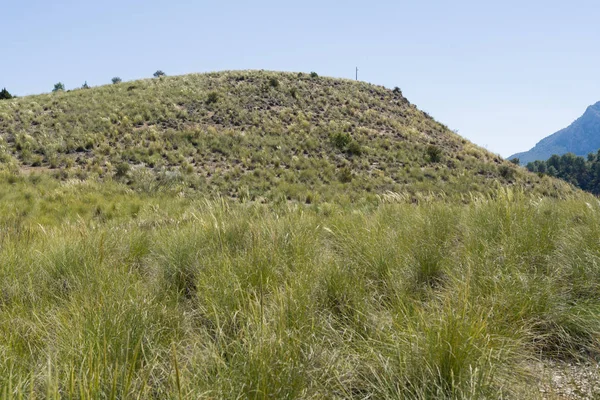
221	133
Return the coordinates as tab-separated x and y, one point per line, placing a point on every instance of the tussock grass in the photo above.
162	297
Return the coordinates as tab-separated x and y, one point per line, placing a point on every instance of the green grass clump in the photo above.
110	293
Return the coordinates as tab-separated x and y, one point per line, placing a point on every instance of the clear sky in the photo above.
504	74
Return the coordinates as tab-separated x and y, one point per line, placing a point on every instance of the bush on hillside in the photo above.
122	170
159	74
85	85
434	153
341	140
345	175
116	80
354	148
344	142
274	82
213	97
314	75
506	172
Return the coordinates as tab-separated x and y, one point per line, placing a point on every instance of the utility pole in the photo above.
356	73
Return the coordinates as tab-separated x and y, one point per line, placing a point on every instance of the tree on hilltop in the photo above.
159	74
59	87
4	95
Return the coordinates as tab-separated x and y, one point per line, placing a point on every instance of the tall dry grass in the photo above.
178	298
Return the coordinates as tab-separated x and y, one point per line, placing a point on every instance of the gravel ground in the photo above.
560	380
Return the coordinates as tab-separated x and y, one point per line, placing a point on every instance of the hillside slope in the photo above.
580	138
250	134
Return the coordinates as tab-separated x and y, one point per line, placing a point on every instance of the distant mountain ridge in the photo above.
580	138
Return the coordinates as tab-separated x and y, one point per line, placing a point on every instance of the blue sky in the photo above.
504	74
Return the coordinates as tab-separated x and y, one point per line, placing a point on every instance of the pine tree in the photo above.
4	95
59	87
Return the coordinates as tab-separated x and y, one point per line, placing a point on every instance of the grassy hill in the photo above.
251	134
156	242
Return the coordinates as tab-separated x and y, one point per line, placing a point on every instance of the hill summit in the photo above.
250	134
580	138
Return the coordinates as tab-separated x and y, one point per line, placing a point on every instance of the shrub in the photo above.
159	74
59	87
340	140
354	148
213	97
36	160
434	153
116	80
345	175
506	172
515	161
122	170
294	93
314	75
274	82
397	90
4	95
